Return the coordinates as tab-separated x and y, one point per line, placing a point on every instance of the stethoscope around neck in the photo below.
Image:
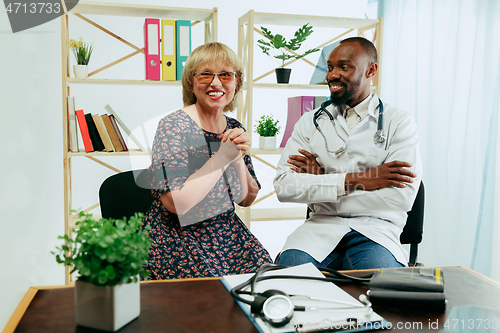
378	137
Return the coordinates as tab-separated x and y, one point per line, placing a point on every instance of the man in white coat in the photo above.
357	185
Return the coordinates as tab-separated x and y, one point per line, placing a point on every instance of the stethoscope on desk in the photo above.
378	137
276	307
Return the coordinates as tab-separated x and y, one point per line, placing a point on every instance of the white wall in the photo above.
31	170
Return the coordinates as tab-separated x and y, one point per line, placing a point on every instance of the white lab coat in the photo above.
379	215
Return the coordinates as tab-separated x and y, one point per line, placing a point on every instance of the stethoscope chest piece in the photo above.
278	310
379	137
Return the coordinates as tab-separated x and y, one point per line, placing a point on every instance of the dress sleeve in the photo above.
169	158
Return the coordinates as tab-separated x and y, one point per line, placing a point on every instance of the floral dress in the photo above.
210	239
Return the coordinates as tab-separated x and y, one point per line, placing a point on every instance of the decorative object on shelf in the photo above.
285	48
109	256
267	128
82	52
319	74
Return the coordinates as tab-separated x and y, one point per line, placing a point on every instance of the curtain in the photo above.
441	62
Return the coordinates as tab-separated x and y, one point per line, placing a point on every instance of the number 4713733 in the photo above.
33	8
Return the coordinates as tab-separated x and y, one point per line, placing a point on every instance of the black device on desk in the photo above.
409	287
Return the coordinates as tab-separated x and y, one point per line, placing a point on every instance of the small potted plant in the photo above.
284	47
267	128
109	256
82	52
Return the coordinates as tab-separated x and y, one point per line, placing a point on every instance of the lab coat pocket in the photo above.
377	156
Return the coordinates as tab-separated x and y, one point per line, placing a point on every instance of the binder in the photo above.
84	130
297	106
182	44
152	48
168	63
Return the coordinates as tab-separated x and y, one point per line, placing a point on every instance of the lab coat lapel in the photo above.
341	121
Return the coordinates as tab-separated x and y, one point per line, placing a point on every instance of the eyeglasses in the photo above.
224	77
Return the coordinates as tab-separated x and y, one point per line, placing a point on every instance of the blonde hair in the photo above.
210	53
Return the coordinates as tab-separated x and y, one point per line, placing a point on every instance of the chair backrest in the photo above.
414	227
123	194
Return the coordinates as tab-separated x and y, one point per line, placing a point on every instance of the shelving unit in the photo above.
206	16
246	42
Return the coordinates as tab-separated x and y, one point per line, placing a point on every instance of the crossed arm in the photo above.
391	174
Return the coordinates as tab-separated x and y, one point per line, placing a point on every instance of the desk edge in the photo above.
20	310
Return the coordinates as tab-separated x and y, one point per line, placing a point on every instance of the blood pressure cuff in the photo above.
408	287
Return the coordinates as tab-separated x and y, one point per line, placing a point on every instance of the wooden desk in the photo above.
204	305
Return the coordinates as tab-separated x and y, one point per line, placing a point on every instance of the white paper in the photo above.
320	289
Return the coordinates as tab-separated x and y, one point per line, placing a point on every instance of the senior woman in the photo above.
200	169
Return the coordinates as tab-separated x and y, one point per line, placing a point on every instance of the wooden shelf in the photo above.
104	153
70	80
84	10
315	21
248	25
273	214
257	151
119	9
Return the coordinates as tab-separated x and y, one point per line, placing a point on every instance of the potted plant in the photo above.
109	256
82	52
284	47
267	128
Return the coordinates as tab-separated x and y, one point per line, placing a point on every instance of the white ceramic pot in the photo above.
81	71
267	142
106	308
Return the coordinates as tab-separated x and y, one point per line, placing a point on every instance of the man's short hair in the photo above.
367	46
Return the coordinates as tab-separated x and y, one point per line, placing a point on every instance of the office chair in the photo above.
122	195
413	229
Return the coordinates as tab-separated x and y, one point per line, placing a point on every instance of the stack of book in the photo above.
98	132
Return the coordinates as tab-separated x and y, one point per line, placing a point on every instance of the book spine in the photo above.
122	124
82	122
118	132
94	134
108	145
111	132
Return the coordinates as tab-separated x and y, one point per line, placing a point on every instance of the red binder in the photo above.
152	48
84	130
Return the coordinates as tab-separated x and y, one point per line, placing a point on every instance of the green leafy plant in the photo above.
106	252
81	51
279	43
267	126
